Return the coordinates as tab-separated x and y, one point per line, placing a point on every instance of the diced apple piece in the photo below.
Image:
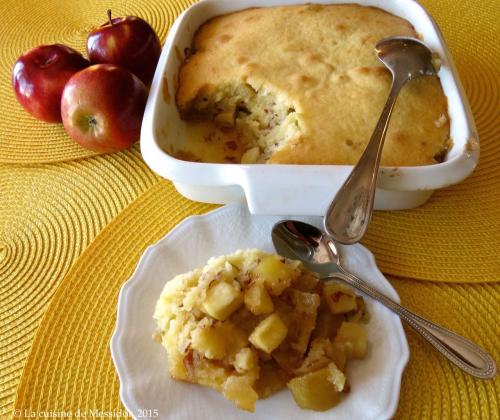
238	258
216	340
222	300
251	155
269	334
340	298
308	282
360	315
327	323
339	355
314	391
239	390
257	300
354	337
209	342
275	274
321	353
246	359
225	119
336	377
305	302
271	379
303	318
317	357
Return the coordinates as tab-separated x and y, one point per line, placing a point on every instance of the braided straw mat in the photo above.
50	213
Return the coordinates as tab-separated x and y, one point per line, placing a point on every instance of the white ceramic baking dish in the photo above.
297	189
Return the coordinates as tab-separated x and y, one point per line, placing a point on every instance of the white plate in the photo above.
146	388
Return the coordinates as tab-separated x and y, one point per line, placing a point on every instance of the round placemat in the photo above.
29	23
70	367
48	216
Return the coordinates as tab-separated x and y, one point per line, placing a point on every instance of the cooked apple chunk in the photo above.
353	335
225	119
208	341
257	300
340	298
327	323
276	273
239	390
336	377
269	334
216	340
271	379
321	353
305	308
222	300
315	390
308	282
360	314
246	359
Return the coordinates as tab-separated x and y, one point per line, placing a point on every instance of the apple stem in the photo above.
109	17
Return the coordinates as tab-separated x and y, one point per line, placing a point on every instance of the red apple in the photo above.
128	42
102	108
39	76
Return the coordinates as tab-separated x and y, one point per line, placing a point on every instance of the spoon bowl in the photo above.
405	56
303	241
319	253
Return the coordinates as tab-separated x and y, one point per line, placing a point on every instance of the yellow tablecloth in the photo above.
72	227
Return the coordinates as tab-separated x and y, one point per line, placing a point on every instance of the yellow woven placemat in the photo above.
70	367
48	215
29	23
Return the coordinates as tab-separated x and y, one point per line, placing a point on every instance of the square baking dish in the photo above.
297	189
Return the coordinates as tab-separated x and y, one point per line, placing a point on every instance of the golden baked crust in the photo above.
318	66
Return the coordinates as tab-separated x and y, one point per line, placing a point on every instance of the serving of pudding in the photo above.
302	85
251	323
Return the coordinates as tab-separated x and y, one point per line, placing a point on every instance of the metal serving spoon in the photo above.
349	213
298	240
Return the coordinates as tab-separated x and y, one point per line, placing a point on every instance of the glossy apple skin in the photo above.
39	76
102	108
128	42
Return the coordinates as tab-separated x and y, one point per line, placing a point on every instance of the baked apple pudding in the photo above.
301	84
251	323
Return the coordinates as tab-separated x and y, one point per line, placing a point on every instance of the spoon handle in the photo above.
350	211
460	351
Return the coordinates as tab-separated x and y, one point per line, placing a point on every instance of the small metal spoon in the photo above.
349	213
298	240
